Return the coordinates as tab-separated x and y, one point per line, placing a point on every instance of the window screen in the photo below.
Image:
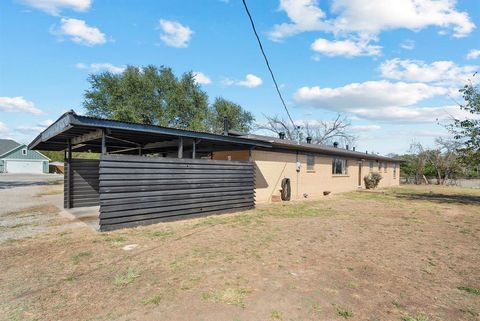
310	162
339	166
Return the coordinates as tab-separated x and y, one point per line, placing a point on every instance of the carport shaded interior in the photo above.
127	138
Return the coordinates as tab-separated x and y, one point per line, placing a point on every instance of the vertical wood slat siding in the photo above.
136	190
84	184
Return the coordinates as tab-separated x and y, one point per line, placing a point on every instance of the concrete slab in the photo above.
87	215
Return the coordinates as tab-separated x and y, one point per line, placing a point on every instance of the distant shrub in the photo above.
372	180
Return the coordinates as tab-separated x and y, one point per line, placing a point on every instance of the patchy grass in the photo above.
115	239
277	262
229	295
126	278
154	300
276	315
470	290
77	257
344	313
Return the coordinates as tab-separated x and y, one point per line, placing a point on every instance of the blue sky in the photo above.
393	67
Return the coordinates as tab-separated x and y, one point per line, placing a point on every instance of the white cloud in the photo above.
370	94
19	103
78	31
370	17
201	78
3	128
96	67
250	81
408	44
411	114
439	72
380	101
305	15
54	7
374	16
473	54
175	34
346	48
37	128
366	128
45	123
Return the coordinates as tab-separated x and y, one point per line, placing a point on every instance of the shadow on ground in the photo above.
442	198
13	184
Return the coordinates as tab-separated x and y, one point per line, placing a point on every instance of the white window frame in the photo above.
344	163
24	151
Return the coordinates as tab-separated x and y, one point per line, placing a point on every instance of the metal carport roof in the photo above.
83	131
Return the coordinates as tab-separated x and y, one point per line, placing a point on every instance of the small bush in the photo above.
372	180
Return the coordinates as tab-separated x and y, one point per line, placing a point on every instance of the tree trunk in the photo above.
425	180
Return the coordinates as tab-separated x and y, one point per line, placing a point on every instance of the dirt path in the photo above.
408	254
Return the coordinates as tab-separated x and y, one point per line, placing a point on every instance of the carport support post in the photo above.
180	147
104	143
194	148
68	176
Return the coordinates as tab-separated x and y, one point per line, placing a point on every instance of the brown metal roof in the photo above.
314	148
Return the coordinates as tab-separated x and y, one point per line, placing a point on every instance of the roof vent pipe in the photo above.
309	140
225	126
335	144
281	135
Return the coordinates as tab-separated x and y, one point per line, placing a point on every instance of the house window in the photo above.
310	162
371	165
379	166
339	166
24	151
385	167
394	170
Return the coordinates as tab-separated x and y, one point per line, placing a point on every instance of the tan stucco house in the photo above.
147	174
311	169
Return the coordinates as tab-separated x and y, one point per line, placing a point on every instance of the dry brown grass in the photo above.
400	255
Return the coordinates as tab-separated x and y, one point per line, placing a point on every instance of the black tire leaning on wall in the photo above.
286	189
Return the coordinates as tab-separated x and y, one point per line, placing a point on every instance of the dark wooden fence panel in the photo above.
81	183
137	190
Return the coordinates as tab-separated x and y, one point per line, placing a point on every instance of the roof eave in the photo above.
339	152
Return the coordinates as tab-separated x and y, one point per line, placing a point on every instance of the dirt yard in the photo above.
407	254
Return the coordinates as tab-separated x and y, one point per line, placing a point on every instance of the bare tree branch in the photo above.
322	132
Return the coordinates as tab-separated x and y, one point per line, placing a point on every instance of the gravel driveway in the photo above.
31	204
21	191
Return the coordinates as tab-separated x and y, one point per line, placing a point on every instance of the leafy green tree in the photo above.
150	95
154	95
468	130
238	118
